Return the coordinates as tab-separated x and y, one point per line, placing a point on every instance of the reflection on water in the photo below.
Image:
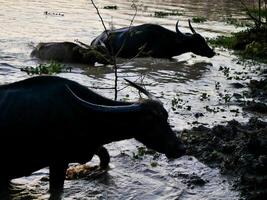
180	83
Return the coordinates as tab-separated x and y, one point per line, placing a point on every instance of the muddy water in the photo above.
188	85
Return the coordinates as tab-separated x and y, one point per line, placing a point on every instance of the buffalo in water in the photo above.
72	53
52	121
154	41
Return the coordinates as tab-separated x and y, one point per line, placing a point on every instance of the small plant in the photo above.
162	14
54	13
199	19
204	96
176	103
50	68
111	7
225	70
217	85
227	98
142	151
214	110
154	164
235	22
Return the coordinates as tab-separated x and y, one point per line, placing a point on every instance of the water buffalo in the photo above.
152	40
72	53
53	121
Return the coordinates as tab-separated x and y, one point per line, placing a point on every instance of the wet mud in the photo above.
237	149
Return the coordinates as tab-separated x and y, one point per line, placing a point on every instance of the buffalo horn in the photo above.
177	29
104	108
138	87
191	28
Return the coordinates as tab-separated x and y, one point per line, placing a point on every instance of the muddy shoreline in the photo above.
239	150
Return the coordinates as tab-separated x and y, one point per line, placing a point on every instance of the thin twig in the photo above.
114	56
98	13
133	81
256	21
129	29
137	55
82	44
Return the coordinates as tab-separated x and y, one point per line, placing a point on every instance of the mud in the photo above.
239	150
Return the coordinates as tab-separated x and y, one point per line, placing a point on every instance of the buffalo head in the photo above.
155	131
196	43
146	121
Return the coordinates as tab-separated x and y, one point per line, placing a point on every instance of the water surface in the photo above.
187	85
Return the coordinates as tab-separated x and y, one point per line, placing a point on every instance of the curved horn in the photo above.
104	108
138	87
191	28
177	29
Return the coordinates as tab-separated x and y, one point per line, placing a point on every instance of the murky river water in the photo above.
187	85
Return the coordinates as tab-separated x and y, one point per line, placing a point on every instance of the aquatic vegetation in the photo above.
250	44
162	14
236	22
176	103
237	149
199	19
142	151
54	13
204	96
49	68
113	7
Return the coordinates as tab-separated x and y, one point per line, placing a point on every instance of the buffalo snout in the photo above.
175	151
211	54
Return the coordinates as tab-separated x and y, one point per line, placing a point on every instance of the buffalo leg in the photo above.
4	189
104	157
57	176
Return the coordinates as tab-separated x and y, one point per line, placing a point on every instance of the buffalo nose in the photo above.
212	54
180	151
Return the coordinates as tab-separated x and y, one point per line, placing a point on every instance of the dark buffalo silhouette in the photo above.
72	53
53	121
152	40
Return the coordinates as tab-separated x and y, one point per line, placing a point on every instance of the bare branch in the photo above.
98	13
82	44
129	28
114	56
257	21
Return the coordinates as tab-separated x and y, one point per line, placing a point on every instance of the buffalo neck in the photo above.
114	126
182	45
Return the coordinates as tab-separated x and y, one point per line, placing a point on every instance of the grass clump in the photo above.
199	19
111	7
162	14
250	44
44	69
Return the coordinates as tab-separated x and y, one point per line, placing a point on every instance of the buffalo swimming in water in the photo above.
152	40
72	53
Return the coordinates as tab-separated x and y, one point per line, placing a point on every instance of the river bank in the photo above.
239	150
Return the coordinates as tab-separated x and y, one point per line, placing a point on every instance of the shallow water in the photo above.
187	85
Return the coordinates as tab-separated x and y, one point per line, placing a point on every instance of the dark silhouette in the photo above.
53	121
152	40
71	53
